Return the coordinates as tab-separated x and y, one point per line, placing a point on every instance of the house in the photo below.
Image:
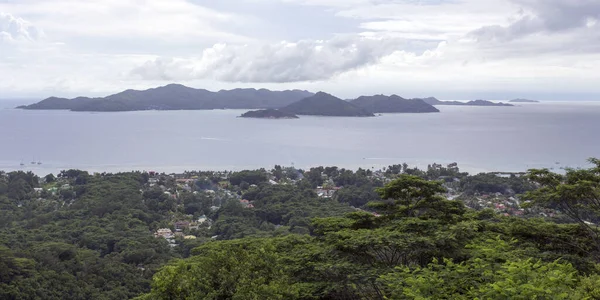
185	180
181	225
164	233
326	192
202	219
194	226
246	203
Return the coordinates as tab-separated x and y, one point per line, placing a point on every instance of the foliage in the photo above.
576	194
421	247
250	177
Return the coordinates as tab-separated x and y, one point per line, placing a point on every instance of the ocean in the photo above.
552	135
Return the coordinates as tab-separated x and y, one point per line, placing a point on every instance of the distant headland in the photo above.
519	100
268	114
434	101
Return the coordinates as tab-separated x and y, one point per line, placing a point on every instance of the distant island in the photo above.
434	101
296	102
323	104
393	104
268	114
175	97
519	100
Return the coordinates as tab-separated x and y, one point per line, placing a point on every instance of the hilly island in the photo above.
294	102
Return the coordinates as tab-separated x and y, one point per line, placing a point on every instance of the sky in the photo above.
450	49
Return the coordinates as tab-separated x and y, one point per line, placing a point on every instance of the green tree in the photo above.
576	194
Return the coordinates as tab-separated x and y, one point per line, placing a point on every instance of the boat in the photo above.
39	163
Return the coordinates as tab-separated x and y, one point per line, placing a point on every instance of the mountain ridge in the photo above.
323	104
175	97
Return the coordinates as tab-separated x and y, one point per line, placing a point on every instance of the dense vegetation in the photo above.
279	234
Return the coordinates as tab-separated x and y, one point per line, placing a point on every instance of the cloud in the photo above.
138	24
305	60
543	16
348	47
14	29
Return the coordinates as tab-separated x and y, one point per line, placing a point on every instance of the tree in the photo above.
576	194
227	270
495	271
412	196
50	178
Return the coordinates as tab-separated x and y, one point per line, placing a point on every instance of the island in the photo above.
323	104
175	97
268	114
519	100
393	104
435	101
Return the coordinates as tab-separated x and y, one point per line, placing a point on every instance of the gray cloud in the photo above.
547	16
306	60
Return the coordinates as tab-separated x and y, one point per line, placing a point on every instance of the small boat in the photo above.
39	163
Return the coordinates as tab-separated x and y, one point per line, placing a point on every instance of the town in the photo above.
193	201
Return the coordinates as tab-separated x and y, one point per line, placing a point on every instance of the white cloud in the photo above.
306	60
158	20
13	29
365	46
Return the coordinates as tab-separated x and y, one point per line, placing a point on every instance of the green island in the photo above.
286	233
268	114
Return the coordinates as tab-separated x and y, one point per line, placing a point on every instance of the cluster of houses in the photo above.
326	192
181	227
506	205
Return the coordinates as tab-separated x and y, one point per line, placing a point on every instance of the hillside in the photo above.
268	114
486	103
176	97
393	104
323	104
434	101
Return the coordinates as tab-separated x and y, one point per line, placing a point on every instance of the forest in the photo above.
285	233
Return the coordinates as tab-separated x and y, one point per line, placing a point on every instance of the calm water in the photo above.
478	138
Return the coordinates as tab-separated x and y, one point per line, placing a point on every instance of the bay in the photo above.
550	134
